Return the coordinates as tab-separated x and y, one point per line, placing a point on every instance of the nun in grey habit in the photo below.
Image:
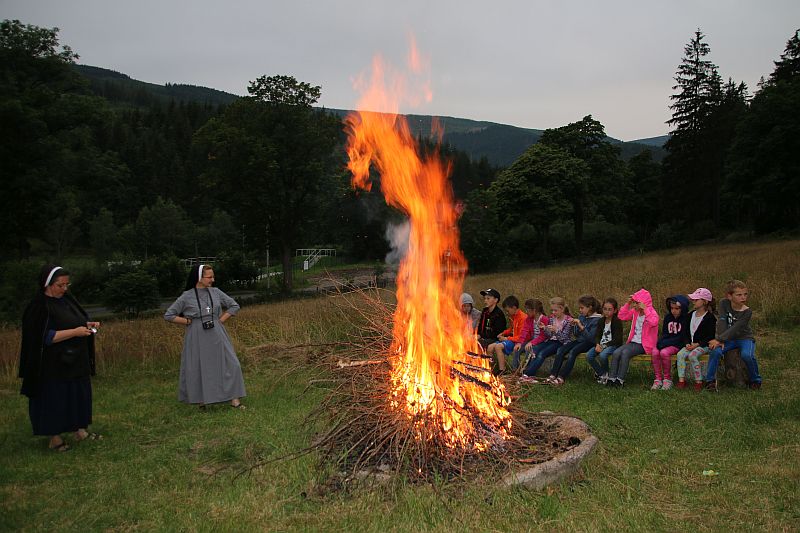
210	370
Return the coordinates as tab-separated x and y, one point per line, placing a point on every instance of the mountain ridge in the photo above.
500	144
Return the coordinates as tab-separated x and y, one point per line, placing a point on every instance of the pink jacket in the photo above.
533	330
651	319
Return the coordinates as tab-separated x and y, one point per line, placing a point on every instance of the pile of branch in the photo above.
364	433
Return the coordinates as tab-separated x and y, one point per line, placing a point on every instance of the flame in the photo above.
433	378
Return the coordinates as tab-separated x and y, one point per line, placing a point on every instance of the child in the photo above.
673	338
607	339
493	321
471	315
642	338
558	331
584	327
532	331
733	331
701	330
509	338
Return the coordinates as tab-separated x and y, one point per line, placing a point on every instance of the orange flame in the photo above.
433	378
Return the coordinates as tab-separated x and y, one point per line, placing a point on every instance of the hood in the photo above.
643	296
467	299
681	299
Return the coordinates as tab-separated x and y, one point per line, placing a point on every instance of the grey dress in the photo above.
210	370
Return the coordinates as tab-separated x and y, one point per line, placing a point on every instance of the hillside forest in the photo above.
117	179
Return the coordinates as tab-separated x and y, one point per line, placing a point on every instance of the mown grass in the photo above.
164	465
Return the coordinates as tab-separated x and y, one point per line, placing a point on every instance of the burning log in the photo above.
473	368
347	364
479	355
465	377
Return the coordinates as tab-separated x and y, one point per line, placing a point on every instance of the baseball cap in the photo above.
701	294
491	292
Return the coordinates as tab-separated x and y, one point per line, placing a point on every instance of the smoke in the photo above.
397	235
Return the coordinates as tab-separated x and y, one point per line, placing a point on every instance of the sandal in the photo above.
89	436
239	405
63	447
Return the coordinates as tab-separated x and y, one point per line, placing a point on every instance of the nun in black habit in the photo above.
56	361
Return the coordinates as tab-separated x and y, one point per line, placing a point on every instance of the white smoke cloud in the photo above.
397	235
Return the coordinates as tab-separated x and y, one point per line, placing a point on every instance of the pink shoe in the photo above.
656	385
666	384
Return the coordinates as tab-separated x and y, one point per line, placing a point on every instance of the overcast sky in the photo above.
535	64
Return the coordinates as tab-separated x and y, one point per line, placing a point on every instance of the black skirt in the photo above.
61	406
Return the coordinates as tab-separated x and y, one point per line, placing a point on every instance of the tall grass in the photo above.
152	340
769	269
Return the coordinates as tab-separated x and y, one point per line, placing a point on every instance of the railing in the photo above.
313	255
191	261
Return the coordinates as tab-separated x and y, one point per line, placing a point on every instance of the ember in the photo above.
431	380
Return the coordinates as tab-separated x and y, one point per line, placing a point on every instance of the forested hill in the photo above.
500	144
121	89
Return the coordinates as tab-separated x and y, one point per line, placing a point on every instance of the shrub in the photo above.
235	271
131	293
169	273
17	287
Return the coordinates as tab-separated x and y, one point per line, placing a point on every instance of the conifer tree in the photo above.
763	173
693	166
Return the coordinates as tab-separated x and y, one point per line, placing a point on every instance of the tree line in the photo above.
92	171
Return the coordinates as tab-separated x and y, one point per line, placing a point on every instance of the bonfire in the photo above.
418	396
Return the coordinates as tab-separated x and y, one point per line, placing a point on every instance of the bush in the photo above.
235	271
17	287
169	273
664	236
131	293
89	282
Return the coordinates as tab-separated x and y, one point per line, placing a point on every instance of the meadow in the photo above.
166	466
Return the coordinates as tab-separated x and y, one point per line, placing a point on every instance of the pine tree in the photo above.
788	68
763	171
693	167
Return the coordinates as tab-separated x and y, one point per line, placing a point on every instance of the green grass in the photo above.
164	465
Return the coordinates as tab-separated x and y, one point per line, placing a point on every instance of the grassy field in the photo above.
164	465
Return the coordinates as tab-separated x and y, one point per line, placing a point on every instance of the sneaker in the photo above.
602	380
711	386
698	386
666	384
530	380
614	383
755	385
681	385
656	385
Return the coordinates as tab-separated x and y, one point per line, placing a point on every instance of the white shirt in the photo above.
694	323
637	330
606	337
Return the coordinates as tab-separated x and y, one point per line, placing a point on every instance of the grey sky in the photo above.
535	64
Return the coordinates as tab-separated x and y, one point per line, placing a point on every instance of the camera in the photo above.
208	324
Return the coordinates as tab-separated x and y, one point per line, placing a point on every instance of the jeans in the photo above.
541	351
747	350
593	355
622	358
571	349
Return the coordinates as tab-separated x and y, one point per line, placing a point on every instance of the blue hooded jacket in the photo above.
675	331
